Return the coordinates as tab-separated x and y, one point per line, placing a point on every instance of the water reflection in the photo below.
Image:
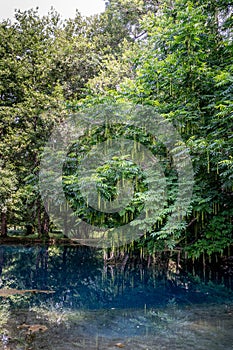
99	305
81	279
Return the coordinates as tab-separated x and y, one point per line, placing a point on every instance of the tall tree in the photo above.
185	72
29	99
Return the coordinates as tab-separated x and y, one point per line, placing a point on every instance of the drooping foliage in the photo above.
185	71
175	56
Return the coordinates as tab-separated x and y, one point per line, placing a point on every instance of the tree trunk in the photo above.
45	225
39	226
3	225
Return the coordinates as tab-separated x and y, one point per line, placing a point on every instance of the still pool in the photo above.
71	299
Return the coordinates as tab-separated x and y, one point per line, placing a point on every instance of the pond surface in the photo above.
81	302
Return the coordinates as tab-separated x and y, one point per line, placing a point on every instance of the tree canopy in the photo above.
174	56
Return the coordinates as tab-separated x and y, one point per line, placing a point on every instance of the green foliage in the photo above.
175	56
110	178
215	237
181	72
28	108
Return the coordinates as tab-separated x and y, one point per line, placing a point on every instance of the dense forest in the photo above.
172	56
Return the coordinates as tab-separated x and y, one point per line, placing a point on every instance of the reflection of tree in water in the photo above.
41	272
82	279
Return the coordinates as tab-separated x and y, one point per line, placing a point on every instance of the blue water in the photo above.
99	305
